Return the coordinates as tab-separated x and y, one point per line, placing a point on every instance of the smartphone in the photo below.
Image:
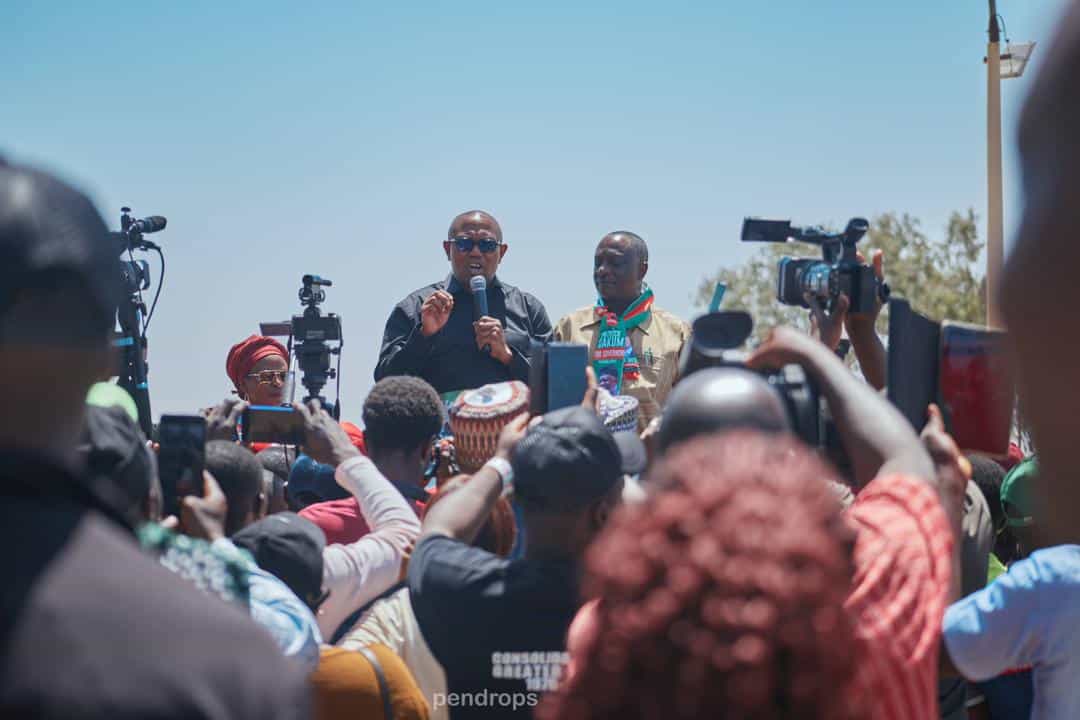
272	424
557	376
181	458
975	387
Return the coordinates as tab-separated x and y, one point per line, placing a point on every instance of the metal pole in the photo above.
995	243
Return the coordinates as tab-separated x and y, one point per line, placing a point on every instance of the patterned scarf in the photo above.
614	359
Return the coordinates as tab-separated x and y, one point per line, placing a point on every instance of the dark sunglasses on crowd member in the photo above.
466	244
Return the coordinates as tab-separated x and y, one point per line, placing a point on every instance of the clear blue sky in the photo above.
340	138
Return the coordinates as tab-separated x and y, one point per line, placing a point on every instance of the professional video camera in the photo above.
311	333
132	316
714	342
838	272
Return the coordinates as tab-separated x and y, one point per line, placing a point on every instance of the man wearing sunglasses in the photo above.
433	333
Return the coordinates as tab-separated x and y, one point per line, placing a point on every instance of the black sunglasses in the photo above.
465	244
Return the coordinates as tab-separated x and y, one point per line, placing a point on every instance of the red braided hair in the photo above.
723	596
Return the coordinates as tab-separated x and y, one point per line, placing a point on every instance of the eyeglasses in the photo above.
267	377
466	244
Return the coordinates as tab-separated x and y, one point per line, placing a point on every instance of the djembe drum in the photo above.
478	416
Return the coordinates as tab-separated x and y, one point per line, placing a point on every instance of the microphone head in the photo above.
478	283
154	223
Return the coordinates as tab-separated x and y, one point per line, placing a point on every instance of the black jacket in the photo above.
450	360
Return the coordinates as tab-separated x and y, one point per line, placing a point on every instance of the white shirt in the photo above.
357	573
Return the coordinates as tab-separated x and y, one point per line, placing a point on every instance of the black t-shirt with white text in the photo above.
498	627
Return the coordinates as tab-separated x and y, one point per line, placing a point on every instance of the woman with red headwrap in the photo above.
259	368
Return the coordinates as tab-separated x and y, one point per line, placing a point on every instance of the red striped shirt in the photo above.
903	561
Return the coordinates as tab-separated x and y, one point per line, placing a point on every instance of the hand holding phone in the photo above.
181	458
204	517
272	424
323	438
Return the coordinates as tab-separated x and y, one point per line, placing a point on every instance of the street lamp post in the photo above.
995	243
999	66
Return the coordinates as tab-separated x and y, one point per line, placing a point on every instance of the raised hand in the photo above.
435	312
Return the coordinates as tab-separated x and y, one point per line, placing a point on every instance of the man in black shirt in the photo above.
498	626
432	333
89	626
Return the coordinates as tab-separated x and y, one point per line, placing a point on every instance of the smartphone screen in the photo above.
976	387
566	381
272	424
181	458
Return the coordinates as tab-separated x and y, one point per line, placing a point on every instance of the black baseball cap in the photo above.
569	460
291	548
118	464
52	236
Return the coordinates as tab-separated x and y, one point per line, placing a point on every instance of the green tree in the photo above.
939	277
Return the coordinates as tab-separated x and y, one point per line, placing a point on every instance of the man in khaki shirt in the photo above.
634	346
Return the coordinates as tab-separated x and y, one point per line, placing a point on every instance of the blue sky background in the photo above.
340	138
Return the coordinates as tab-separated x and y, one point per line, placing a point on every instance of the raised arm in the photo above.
877	438
357	573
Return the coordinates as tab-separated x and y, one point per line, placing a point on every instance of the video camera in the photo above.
714	342
131	314
312	332
839	270
310	335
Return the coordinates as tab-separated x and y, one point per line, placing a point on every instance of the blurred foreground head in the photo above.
724	597
59	287
718	399
1040	292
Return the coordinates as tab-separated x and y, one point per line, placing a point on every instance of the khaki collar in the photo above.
594	320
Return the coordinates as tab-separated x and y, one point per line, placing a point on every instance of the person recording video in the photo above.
441	332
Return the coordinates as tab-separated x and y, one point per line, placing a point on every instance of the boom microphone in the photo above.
478	285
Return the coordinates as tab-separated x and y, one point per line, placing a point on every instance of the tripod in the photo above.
131	314
132	341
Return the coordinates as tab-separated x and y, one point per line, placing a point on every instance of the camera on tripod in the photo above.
838	272
312	332
131	314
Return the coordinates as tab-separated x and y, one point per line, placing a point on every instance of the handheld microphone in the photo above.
478	286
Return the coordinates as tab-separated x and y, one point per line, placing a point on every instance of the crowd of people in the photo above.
666	547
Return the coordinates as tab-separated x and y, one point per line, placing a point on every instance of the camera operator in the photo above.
91	626
829	327
433	333
635	346
898	576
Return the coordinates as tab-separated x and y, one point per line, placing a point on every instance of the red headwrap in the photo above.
244	355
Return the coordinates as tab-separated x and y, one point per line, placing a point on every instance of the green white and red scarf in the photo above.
614	359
